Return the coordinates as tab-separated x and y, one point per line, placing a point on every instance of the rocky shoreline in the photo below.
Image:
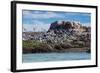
27	51
62	36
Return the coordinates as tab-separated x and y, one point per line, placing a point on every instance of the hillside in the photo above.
62	36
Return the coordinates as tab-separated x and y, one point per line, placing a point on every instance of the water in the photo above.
43	57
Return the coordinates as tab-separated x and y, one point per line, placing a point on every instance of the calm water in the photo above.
41	57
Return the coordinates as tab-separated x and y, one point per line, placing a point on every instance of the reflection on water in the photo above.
42	57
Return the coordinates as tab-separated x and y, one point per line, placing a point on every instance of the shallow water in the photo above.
42	57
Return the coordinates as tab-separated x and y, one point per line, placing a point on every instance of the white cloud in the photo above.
35	22
86	24
26	12
43	15
37	26
77	13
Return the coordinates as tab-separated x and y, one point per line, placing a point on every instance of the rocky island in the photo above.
62	36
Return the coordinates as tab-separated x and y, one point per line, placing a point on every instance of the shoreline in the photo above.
30	51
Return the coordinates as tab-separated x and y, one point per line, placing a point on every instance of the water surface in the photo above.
42	57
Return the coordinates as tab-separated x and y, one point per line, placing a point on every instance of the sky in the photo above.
36	20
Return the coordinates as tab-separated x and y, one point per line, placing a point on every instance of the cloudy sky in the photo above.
36	20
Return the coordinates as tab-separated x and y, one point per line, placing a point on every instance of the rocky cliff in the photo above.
62	36
68	26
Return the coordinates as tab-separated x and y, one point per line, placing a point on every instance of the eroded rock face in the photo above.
69	26
61	36
64	25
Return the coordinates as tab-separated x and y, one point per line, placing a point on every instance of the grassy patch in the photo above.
31	44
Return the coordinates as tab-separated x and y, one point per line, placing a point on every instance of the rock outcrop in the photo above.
62	36
64	25
68	26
